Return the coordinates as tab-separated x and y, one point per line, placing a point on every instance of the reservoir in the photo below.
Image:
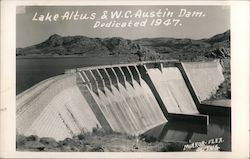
31	70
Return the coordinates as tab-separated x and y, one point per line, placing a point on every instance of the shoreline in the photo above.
55	56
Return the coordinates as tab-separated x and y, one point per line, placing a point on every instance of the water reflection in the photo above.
187	132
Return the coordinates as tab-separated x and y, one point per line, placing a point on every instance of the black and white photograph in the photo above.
133	78
123	78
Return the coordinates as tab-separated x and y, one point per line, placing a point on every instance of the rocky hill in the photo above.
217	46
171	48
84	46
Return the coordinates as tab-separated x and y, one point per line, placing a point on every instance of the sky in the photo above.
214	20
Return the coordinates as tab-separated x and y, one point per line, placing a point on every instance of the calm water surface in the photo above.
187	132
30	71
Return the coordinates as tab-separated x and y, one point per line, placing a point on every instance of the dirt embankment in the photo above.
98	141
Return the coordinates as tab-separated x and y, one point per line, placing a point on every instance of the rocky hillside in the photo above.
217	46
170	48
84	46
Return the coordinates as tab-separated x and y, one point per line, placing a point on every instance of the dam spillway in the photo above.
126	98
127	103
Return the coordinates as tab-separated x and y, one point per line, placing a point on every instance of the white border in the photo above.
240	82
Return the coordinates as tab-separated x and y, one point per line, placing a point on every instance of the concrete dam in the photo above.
126	98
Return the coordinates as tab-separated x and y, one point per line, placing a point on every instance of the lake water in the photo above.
30	71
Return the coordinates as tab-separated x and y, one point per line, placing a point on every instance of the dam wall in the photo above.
126	98
205	77
55	109
173	90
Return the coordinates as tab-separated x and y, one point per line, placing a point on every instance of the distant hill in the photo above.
184	49
82	45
